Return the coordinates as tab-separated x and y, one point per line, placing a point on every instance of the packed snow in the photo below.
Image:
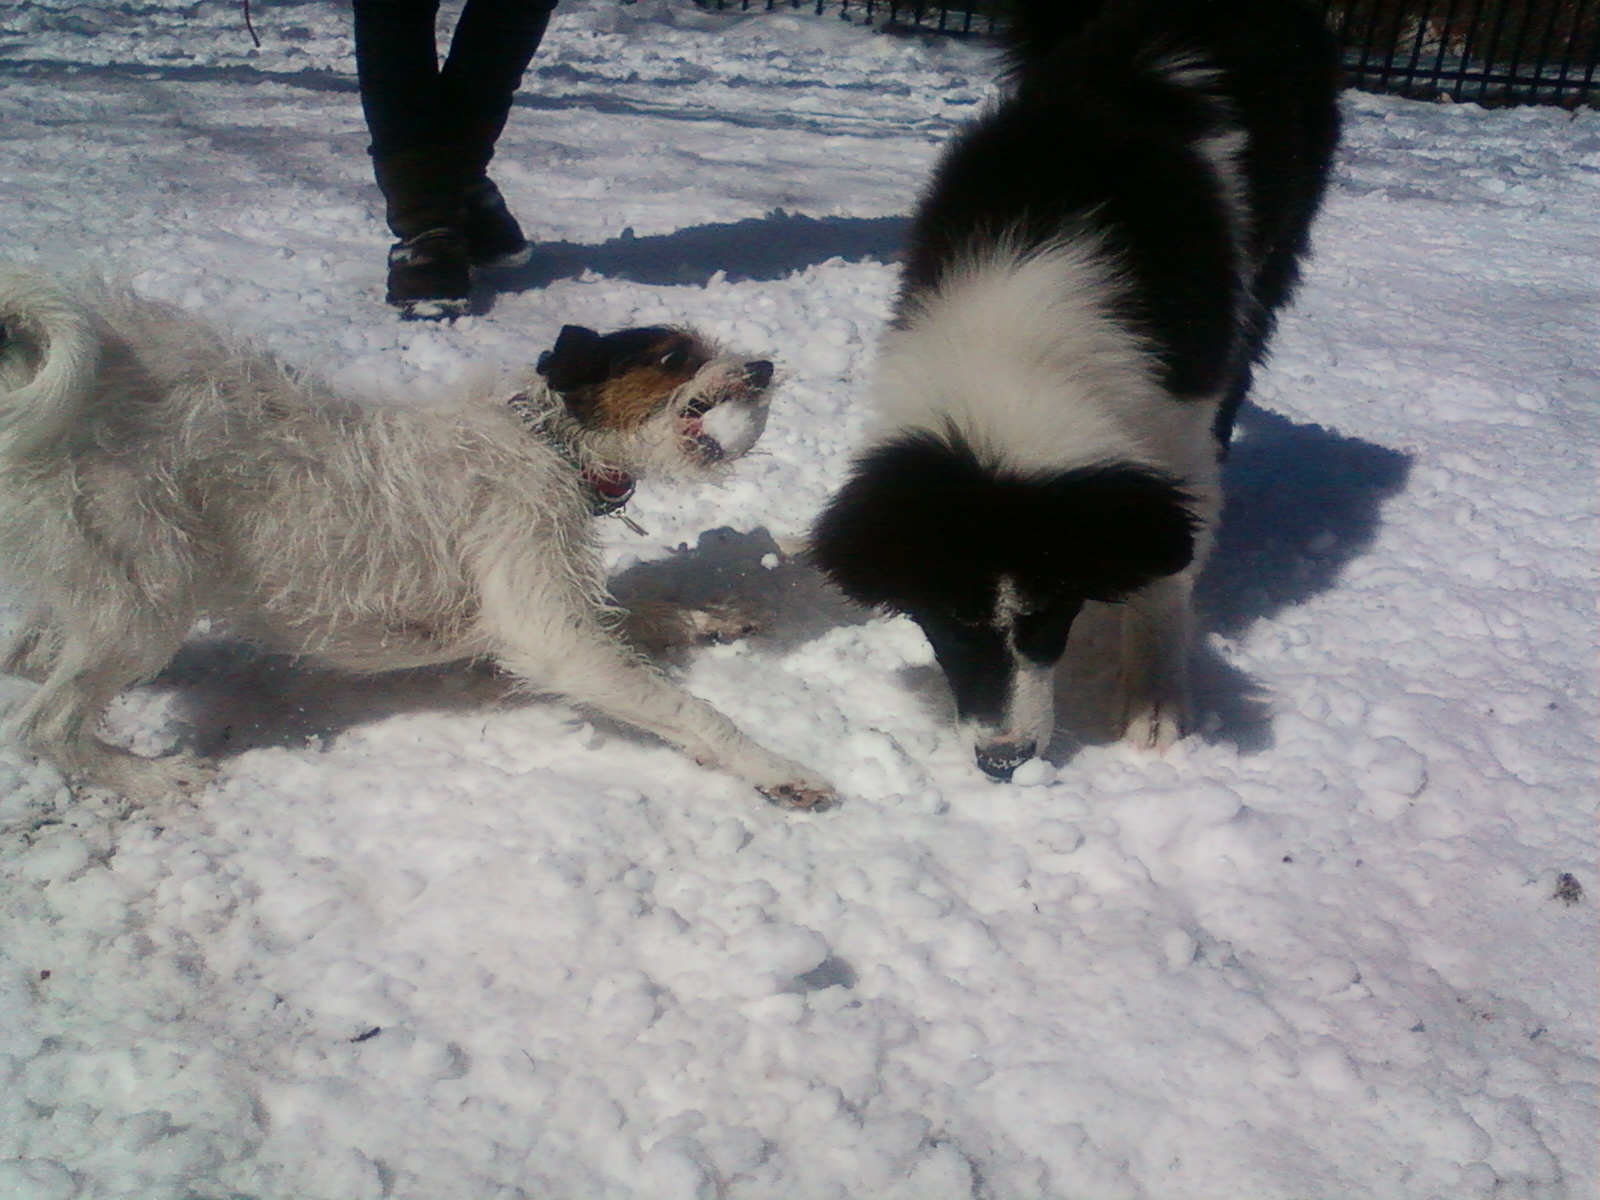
426	940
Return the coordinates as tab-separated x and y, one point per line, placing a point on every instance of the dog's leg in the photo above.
1151	700
591	667
32	653
58	722
658	625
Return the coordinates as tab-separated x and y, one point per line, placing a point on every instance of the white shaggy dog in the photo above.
154	472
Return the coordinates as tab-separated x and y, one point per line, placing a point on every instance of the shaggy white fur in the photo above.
1022	353
153	472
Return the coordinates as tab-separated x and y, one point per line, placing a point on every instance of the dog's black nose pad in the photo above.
758	374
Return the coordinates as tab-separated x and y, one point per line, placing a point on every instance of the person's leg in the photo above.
494	42
417	170
397	64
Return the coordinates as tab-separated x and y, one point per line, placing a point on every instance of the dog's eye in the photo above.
675	359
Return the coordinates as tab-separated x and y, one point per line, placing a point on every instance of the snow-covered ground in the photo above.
421	942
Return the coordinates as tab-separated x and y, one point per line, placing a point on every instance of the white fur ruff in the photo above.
1023	355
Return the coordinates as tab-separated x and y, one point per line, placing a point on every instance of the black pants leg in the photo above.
493	43
411	103
397	64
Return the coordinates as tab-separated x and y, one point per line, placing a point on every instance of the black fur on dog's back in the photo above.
1097	139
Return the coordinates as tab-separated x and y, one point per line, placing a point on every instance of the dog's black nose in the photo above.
758	374
1001	761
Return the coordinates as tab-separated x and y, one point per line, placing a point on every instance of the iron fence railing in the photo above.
961	17
1489	51
1494	51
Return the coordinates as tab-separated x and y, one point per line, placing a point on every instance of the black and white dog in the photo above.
1091	276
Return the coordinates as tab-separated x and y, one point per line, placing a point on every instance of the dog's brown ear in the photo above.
575	362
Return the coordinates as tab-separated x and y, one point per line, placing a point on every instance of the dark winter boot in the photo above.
430	269
430	276
494	239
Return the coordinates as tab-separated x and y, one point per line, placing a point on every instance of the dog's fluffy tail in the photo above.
49	355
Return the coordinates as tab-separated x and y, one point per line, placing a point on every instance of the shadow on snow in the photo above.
761	248
1302	501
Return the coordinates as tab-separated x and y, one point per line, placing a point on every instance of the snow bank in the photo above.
418	942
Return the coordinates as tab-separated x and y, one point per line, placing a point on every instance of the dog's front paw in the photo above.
146	780
655	626
186	773
802	797
716	624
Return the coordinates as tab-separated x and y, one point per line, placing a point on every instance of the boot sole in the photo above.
433	310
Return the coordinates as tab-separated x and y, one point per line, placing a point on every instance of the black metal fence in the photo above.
1490	51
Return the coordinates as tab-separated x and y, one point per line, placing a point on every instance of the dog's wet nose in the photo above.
758	374
1001	759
